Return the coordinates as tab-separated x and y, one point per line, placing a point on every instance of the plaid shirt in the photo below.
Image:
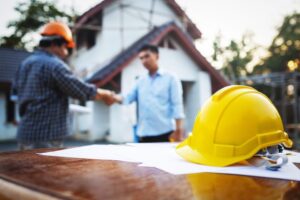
43	84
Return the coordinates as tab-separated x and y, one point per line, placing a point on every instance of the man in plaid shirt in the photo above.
43	85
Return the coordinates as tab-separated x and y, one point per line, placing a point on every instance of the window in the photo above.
167	43
86	34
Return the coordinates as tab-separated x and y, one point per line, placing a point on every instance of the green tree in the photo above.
235	57
33	14
284	52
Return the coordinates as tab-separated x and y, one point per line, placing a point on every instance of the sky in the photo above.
229	18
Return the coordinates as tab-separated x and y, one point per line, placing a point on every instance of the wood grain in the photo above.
68	178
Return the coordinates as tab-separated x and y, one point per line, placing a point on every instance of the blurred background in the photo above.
205	43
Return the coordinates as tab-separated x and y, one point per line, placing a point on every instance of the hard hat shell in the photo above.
59	29
232	126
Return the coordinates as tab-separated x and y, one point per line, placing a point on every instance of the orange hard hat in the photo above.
59	29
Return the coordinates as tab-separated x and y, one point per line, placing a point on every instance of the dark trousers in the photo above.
159	138
36	145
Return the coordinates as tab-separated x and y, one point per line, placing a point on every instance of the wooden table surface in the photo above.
26	175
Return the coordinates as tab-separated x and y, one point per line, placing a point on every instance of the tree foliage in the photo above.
235	57
33	14
284	52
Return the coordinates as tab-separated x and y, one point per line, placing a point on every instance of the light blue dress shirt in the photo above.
159	101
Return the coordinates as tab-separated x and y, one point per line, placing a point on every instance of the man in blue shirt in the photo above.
43	85
159	101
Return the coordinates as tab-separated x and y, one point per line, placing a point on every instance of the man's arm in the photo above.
177	135
105	95
131	97
177	109
72	86
118	98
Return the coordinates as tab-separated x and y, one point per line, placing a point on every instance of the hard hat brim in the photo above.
71	44
189	154
185	150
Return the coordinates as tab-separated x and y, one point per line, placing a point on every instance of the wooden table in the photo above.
26	175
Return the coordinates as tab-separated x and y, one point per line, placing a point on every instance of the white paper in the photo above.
292	156
169	161
154	144
99	152
164	157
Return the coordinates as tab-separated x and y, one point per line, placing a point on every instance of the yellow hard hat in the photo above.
232	126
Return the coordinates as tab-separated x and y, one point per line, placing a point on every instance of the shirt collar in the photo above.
159	72
42	51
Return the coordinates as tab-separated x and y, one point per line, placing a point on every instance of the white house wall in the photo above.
110	41
99	124
204	87
122	120
178	62
123	117
196	95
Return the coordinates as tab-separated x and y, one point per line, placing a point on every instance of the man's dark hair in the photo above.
149	47
52	40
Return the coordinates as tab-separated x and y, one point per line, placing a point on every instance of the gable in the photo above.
122	60
158	6
177	60
108	29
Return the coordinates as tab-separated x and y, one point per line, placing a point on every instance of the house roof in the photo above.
191	27
110	70
10	59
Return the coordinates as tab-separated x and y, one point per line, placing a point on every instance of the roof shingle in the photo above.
10	59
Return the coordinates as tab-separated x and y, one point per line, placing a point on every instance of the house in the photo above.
109	36
10	59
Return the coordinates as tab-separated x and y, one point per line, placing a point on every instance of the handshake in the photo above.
108	97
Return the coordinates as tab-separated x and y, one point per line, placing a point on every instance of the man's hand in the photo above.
118	98
176	136
106	96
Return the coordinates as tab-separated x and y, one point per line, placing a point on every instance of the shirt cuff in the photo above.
179	116
92	93
126	100
178	113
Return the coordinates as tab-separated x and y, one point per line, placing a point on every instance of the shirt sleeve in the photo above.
72	86
131	96
176	99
